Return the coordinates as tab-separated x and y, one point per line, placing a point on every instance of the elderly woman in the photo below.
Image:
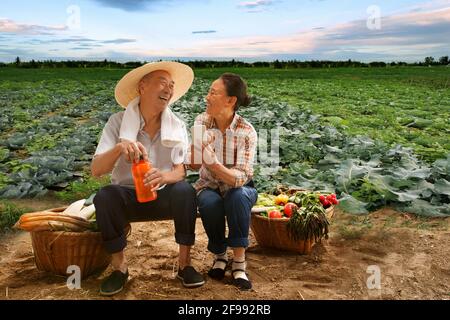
225	188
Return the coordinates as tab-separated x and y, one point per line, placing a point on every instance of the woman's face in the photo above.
217	100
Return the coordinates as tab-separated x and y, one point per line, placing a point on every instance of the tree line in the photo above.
277	64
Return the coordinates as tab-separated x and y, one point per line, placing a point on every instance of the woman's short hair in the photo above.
236	87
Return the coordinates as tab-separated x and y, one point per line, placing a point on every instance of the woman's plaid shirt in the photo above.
238	146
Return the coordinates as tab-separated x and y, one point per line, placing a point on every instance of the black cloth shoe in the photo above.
217	273
242	284
114	283
190	277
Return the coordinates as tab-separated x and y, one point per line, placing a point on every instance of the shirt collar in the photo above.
233	126
234	123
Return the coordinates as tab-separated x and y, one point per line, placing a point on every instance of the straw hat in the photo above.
127	88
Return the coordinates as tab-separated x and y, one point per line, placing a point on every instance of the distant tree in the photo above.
277	64
429	60
444	60
377	64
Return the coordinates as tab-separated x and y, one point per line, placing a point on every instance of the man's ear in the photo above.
140	87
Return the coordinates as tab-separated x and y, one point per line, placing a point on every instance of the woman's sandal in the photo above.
241	283
218	273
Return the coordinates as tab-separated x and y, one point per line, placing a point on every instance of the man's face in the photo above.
156	89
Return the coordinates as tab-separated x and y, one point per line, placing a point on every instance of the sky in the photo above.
253	30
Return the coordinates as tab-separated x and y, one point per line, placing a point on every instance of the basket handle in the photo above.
49	246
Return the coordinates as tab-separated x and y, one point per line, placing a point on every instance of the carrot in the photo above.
56	218
46	225
35	226
25	216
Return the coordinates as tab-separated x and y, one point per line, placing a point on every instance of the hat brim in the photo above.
127	88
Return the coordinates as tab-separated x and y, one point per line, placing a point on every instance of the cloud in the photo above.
76	39
118	41
255	4
430	5
128	5
204	31
90	45
80	41
71	40
139	5
10	26
412	28
14	51
258	43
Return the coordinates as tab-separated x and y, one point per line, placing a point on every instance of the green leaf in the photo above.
442	186
424	208
351	205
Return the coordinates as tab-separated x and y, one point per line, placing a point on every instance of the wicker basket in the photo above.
54	251
272	233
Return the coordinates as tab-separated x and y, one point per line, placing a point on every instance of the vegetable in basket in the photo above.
75	218
310	220
305	210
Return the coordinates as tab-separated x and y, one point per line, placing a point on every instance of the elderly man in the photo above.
152	87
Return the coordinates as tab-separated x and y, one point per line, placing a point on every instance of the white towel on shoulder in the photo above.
173	130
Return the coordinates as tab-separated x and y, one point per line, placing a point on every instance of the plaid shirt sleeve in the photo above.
246	151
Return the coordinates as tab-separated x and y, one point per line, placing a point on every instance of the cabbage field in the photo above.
375	137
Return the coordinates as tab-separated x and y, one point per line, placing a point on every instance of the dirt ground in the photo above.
412	255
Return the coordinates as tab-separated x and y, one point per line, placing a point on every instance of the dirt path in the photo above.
412	255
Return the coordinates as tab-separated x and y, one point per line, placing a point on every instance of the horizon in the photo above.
225	60
248	31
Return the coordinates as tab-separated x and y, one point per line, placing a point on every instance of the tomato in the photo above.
281	199
289	209
322	198
326	204
275	214
332	199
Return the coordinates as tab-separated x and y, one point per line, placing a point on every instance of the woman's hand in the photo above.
154	179
132	150
210	138
209	156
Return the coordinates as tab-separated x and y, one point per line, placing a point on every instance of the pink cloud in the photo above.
10	26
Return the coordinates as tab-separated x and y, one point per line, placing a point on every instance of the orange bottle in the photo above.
143	193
